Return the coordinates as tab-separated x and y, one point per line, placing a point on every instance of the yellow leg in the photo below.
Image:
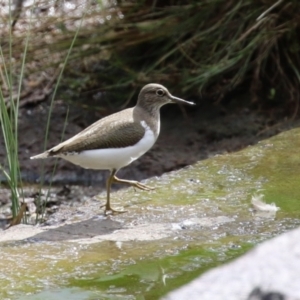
107	206
133	183
114	179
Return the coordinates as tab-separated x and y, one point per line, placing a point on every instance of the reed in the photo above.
10	95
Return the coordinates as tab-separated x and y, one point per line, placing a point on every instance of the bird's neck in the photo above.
151	115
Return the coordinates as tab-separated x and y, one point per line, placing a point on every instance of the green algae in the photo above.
208	205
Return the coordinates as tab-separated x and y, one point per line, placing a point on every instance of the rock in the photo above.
272	269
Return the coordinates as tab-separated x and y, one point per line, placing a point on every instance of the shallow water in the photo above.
197	218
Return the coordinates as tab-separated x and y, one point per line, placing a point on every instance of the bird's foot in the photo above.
142	186
109	211
133	183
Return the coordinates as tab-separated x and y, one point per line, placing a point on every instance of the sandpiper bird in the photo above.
118	139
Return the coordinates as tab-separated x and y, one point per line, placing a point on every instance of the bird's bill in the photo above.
180	101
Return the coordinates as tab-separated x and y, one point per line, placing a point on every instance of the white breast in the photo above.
113	158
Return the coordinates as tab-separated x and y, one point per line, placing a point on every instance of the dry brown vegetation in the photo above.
199	47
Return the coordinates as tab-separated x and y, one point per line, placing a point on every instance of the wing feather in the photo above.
109	132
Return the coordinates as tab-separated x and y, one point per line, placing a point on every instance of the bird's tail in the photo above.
41	156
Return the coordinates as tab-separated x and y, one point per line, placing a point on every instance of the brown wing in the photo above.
110	132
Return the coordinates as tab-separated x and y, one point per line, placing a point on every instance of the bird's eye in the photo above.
160	92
